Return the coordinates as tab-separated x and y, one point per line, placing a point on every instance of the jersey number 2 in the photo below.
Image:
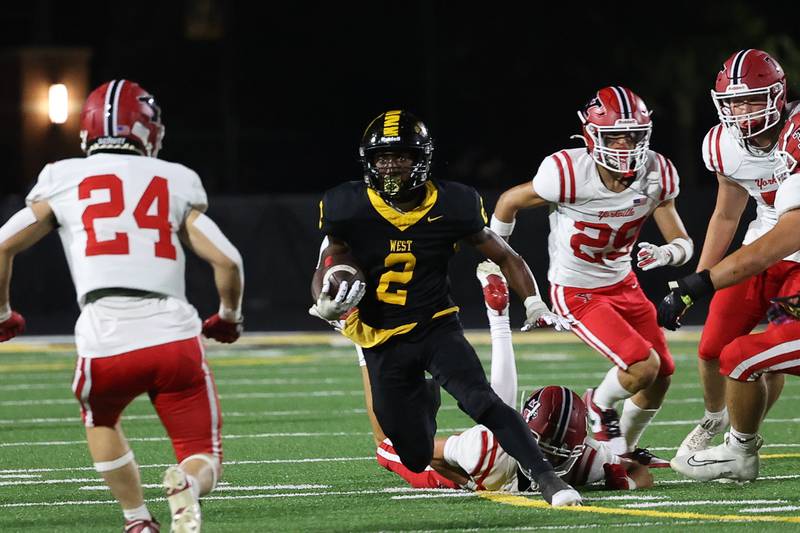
156	192
402	277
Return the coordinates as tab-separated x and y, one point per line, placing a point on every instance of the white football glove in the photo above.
675	253
539	316
337	325
651	256
346	298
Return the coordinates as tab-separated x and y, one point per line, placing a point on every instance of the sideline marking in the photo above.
520	501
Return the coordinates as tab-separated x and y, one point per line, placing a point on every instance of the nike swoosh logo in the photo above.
691	461
431	219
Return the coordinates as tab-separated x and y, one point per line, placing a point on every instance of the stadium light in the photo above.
58	103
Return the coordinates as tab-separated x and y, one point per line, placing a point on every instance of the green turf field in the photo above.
299	455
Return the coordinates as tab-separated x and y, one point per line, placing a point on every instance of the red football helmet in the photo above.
557	418
615	111
121	115
749	73
787	153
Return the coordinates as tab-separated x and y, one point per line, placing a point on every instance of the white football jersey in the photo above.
479	454
723	155
118	218
593	229
788	196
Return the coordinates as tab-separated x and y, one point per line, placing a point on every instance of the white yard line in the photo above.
237	396
227	464
780	509
692	503
221	487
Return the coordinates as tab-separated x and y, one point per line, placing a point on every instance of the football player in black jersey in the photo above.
402	229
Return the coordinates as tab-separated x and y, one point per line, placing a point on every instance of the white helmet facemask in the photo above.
616	159
747	125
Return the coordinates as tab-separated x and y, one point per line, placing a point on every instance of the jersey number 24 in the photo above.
156	192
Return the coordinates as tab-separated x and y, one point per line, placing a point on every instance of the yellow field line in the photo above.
521	501
779	456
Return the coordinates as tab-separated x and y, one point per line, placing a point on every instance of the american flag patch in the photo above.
638	201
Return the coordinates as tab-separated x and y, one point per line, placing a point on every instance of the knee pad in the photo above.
119	462
213	462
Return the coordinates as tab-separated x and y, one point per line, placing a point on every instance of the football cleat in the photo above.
495	288
720	462
644	457
556	491
183	506
604	424
701	436
142	526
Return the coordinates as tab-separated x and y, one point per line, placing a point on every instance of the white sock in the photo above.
633	421
194	486
719	415
504	367
742	442
610	391
140	513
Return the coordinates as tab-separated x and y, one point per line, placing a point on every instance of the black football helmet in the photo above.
396	131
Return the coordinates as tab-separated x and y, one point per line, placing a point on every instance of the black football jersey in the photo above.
404	255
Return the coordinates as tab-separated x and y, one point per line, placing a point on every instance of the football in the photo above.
336	269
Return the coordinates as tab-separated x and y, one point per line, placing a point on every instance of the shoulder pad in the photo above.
721	154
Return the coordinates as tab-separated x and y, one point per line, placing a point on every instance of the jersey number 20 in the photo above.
157	191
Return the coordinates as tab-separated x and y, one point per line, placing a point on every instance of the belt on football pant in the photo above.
93	296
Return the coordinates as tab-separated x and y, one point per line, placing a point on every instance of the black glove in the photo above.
784	309
685	292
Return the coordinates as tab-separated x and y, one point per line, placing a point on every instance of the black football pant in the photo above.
405	406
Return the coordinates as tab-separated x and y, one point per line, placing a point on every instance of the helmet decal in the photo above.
400	133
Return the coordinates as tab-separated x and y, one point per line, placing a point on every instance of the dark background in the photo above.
267	103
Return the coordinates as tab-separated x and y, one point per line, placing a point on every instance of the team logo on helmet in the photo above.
532	409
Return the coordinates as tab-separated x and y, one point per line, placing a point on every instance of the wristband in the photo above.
503	229
697	285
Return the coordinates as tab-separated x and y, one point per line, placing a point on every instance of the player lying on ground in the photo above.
747	360
474	460
120	212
